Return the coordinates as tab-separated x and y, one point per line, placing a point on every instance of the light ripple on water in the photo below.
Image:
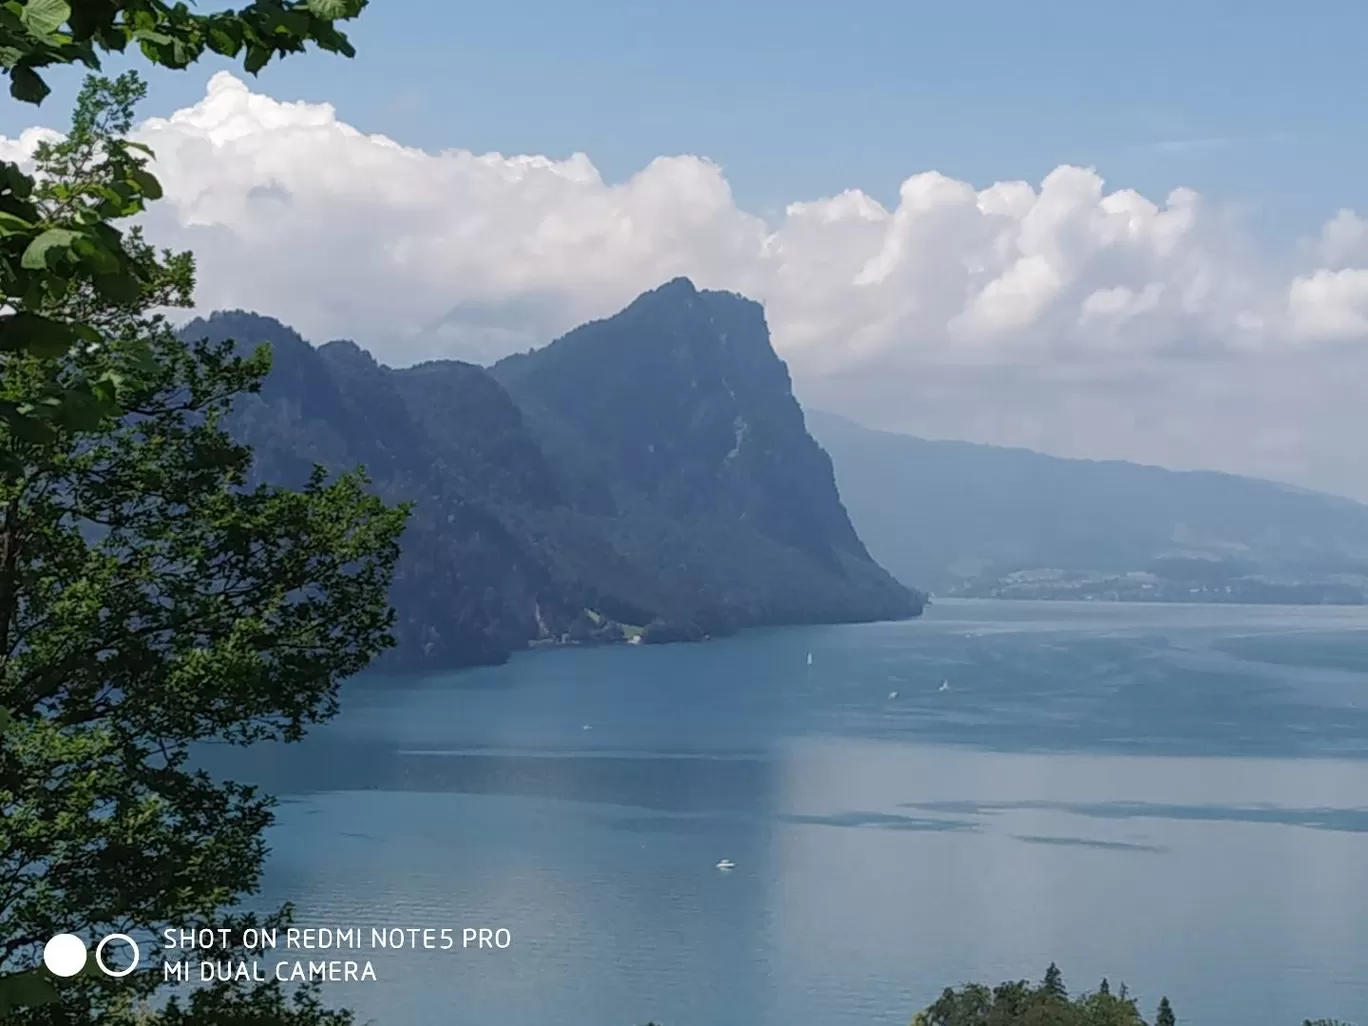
1198	773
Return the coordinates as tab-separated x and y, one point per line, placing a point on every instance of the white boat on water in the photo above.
726	864
892	695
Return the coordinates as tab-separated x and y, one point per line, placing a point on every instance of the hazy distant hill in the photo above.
959	518
647	475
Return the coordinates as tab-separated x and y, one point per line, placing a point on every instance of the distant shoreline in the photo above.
548	647
1146	587
1195	603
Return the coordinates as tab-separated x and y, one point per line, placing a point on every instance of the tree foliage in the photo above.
48	249
150	599
36	34
1018	1003
62	264
1053	984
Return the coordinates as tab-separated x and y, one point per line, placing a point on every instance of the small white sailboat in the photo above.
726	864
809	658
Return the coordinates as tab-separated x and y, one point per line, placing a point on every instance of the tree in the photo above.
1164	1017
1053	984
52	251
51	248
1017	1003
41	33
969	1005
44	252
1107	1009
150	599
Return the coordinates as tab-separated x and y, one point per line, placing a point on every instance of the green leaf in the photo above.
27	86
11	224
30	333
223	41
334	10
152	36
142	358
95	256
110	236
31	429
105	390
257	58
86	333
87	409
44	17
26	990
122	288
9	17
157	53
120	200
39	254
146	182
15	181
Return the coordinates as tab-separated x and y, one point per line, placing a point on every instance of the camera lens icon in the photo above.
65	955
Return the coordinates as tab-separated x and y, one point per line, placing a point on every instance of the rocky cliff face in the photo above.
678	410
646	474
682	399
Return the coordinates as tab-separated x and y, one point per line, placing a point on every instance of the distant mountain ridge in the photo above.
646	477
965	519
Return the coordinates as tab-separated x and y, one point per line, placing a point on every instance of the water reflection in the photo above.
1093	789
1349	820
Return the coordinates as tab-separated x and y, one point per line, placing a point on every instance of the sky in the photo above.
1098	230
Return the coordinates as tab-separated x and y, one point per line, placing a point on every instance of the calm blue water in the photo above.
1176	797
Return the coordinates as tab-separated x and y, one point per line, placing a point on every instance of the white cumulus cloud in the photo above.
1059	314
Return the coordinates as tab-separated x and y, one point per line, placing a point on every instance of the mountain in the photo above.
965	519
648	477
675	426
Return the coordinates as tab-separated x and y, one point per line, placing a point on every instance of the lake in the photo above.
1171	796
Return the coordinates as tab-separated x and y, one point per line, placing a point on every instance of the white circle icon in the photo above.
64	955
99	955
